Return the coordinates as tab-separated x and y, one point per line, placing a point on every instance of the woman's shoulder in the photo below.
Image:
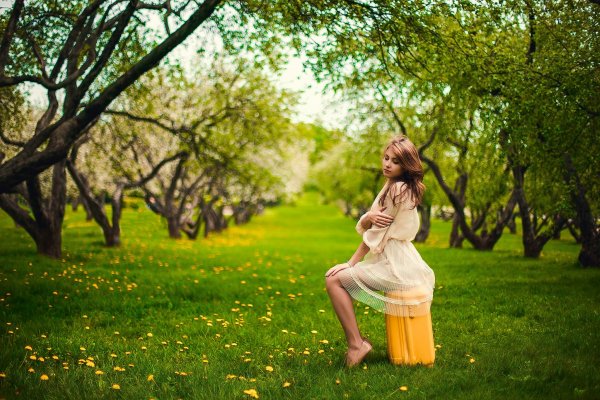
398	189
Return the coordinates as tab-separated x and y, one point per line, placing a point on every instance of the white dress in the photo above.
392	278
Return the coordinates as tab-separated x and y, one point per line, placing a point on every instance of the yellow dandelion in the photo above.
44	377
314	332
269	368
144	348
116	386
41	359
230	376
2	375
337	381
324	341
403	388
471	360
286	384
55	357
252	393
90	363
113	355
28	348
31	370
150	378
82	348
149	334
99	372
33	358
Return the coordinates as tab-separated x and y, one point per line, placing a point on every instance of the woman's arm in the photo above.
374	218
358	255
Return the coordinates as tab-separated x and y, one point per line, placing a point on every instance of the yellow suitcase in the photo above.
409	337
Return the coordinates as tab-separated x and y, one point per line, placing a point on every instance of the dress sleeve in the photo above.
375	237
359	227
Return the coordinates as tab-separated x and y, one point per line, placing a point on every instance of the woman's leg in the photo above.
342	305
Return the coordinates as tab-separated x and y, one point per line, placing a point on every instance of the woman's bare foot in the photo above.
355	356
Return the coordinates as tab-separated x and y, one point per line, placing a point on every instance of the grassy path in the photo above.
244	313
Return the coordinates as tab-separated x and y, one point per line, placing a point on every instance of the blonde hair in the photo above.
412	171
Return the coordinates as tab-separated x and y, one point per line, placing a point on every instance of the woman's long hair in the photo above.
412	171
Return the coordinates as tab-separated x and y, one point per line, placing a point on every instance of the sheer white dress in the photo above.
392	278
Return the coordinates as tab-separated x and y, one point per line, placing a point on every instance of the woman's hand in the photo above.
335	269
379	219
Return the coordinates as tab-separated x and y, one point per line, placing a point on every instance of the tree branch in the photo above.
11	27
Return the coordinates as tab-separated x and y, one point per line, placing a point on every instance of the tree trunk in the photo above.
425	213
49	241
512	224
573	230
45	228
589	256
174	228
456	239
96	207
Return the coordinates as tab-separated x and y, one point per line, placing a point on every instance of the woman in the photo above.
393	278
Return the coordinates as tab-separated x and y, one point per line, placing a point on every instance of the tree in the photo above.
69	46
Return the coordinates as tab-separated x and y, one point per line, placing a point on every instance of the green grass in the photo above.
254	297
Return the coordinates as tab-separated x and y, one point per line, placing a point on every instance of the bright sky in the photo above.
316	104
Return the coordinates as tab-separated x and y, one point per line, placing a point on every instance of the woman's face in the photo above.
391	165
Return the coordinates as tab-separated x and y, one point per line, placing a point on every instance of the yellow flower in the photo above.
28	348
286	384
33	358
269	368
230	376
2	375
90	363
149	334
99	372
403	388
44	377
113	355
31	370
337	381
252	393
471	360
150	378
324	341
116	386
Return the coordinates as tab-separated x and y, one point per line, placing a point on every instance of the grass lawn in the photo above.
245	313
